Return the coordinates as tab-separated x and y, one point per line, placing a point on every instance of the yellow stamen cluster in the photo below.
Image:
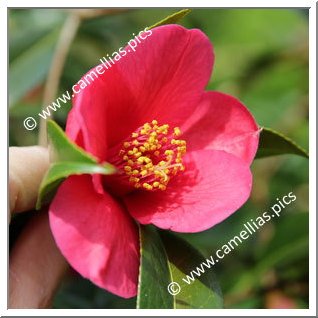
152	155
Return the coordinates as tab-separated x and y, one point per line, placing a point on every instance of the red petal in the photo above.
96	236
73	128
163	79
225	125
213	186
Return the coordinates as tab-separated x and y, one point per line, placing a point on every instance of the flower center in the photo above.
152	155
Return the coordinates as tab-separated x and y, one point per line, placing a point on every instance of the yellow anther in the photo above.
135	172
154	122
142	149
149	165
156	184
121	152
173	142
162	163
162	187
127	168
147	186
148	160
151	139
157	153
169	152
134	135
135	142
130	162
125	157
130	152
164	139
141	160
135	150
147	126
138	154
143	172
178	160
137	185
177	131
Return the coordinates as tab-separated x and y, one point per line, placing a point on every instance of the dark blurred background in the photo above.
262	59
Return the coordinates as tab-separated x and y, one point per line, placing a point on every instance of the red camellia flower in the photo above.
182	155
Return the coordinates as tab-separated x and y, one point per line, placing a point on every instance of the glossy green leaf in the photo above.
205	291
154	268
166	259
60	171
273	143
62	149
68	159
172	19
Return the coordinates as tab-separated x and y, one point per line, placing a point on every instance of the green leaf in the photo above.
60	171
154	267
273	143
172	19
69	159
62	149
166	259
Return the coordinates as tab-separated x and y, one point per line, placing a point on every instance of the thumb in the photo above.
27	166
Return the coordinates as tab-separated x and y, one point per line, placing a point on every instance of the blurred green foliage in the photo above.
262	59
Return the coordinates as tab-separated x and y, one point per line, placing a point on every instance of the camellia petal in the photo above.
73	128
213	186
96	236
162	79
227	125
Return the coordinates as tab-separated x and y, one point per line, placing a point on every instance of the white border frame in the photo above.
312	162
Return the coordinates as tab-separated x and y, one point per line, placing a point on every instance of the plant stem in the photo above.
66	38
